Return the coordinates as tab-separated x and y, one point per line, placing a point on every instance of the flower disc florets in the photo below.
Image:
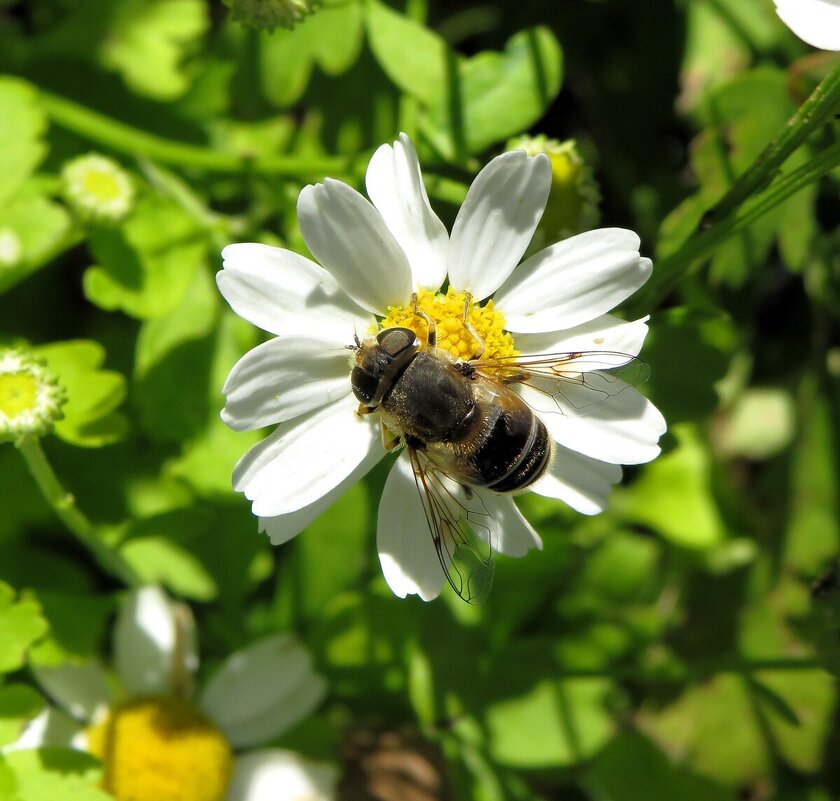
447	311
161	749
97	188
30	396
270	14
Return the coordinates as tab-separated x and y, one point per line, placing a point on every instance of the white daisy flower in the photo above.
157	742
374	256
816	22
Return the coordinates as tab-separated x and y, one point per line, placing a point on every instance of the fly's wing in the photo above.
463	530
581	381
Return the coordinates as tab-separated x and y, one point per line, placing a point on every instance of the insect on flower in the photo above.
513	377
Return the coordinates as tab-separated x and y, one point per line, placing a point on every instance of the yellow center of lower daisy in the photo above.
18	393
447	311
161	749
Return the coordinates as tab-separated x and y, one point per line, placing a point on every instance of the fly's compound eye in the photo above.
400	344
365	385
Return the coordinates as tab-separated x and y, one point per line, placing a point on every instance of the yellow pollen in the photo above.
18	393
448	313
161	749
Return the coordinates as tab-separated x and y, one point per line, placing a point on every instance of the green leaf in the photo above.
92	394
148	40
147	264
686	514
552	723
21	624
47	774
417	60
631	768
523	80
761	424
19	703
22	125
160	561
40	226
332	39
334	550
703	339
813	529
77	627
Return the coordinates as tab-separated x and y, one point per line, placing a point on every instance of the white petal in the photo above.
284	293
349	237
275	775
154	642
263	690
497	221
284	378
515	534
307	457
282	528
573	282
50	728
579	481
80	689
816	22
395	185
623	428
406	552
606	333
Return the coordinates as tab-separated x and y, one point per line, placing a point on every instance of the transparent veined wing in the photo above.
579	381
464	532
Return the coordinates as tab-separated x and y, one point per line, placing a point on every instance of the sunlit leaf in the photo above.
45	774
93	394
22	124
19	703
21	625
148	40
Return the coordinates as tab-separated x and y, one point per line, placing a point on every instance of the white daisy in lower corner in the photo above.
159	743
383	265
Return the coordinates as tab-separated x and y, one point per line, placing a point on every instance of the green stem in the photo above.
133	142
672	267
64	505
812	113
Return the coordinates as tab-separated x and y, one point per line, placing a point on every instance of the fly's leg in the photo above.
390	440
431	328
479	351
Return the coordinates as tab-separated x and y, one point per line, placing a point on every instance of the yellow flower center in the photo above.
18	393
101	185
447	311
161	749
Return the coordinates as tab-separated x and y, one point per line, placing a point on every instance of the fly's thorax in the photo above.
430	400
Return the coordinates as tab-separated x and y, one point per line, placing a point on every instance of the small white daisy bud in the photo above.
269	14
10	248
30	395
97	188
574	198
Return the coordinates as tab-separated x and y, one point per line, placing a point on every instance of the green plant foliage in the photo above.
21	625
44	774
19	703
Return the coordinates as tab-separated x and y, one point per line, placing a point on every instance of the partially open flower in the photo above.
97	188
270	14
574	197
30	396
160	743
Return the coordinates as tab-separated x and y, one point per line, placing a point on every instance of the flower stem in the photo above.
64	505
673	266
822	103
133	142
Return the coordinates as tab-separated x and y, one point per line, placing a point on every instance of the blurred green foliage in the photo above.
669	648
